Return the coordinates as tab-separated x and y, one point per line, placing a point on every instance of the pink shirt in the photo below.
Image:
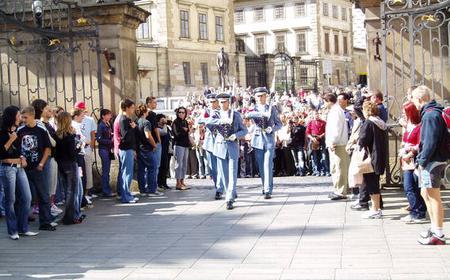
116	136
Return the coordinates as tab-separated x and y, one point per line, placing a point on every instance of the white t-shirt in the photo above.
77	127
87	126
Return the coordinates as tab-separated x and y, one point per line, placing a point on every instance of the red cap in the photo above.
80	105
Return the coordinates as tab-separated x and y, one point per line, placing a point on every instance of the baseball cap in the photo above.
80	105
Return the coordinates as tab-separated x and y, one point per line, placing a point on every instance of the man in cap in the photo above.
230	128
267	123
88	129
208	144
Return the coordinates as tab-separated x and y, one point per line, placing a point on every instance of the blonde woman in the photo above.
66	152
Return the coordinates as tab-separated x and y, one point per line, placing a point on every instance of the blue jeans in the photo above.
106	167
68	176
119	177
412	191
264	158
2	200
181	155
17	198
145	166
41	190
127	159
154	168
321	160
300	160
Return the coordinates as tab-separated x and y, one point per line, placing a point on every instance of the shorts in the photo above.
431	175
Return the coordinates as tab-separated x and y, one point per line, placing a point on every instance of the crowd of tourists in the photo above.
47	154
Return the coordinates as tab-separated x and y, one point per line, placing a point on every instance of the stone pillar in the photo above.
117	24
373	26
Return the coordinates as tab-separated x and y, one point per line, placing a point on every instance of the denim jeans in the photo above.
264	158
412	191
321	160
203	169
127	159
41	190
145	166
181	155
154	169
119	177
68	176
17	198
2	200
51	175
106	167
300	160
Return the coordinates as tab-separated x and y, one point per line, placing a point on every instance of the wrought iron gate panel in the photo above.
255	69
415	39
306	75
56	57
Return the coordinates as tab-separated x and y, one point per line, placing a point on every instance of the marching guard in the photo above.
229	129
208	144
265	116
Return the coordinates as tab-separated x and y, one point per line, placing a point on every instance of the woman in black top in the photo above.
298	145
13	176
66	153
180	129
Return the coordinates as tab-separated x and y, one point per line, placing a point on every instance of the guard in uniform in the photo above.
208	144
267	123
230	129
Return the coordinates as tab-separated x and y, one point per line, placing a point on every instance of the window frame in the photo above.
220	26
241	18
336	44
256	12
297	6
305	49
278	12
204	25
326	40
187	73
344	14
335	11
184	24
325	9
277	42
204	71
257	49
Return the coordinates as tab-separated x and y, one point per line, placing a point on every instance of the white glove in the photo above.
268	130
227	121
232	137
266	114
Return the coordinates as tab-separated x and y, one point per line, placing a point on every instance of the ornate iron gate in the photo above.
49	49
415	49
306	74
255	68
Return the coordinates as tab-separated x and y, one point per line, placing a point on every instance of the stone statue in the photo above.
223	63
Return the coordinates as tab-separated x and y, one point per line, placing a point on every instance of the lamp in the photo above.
37	9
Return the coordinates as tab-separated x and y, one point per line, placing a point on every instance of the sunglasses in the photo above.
181	112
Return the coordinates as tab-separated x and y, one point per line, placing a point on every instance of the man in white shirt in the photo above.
336	138
88	129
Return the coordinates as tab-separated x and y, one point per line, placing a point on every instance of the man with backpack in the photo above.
432	160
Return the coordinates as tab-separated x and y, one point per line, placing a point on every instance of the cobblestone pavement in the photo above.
299	234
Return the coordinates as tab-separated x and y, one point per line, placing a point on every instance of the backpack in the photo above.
446	118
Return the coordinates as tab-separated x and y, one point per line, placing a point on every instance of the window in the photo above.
335	12
259	14
144	30
260	45
279	12
300	9
204	69
338	75
187	72
203	26
239	16
280	43
336	44
219	29
301	42
344	14
303	76
327	42
184	16
325	9
345	45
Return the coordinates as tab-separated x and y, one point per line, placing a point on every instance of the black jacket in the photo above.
373	136
181	137
433	135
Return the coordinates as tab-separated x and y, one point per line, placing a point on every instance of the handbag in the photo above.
363	160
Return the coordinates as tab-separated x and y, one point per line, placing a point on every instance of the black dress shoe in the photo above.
47	227
268	196
263	192
218	196
167	187
230	205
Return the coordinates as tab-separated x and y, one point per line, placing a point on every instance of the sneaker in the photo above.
359	207
93	195
334	196
29	233
131	202
14	236
136	199
432	240
230	205
54	224
409	219
354	203
267	196
426	234
155	194
167	188
161	189
218	196
88	200
55	210
372	215
47	227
